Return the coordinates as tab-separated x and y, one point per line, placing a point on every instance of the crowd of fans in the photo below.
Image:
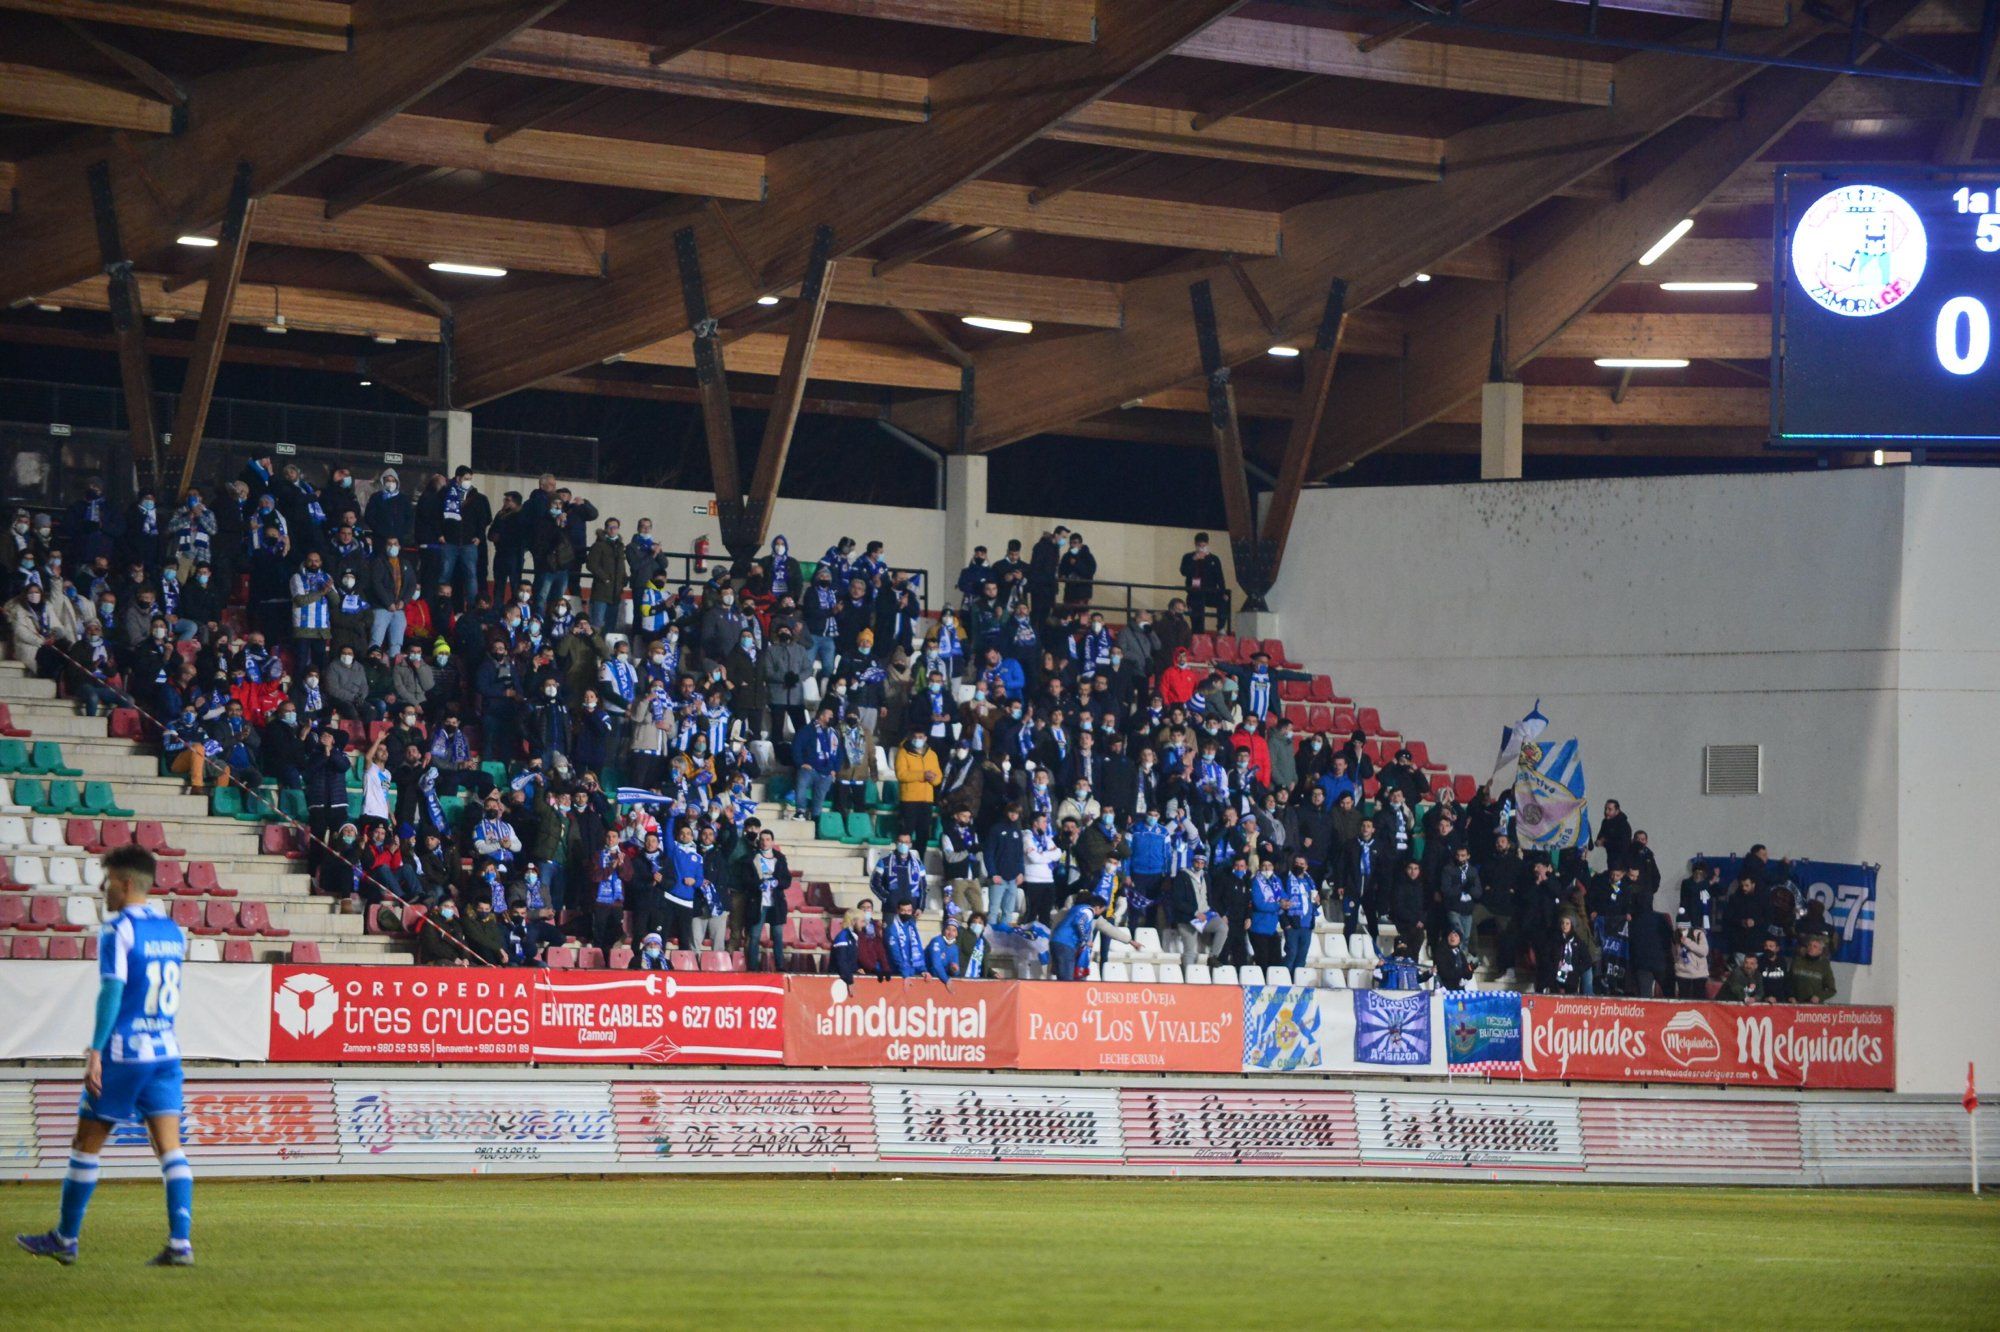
555	728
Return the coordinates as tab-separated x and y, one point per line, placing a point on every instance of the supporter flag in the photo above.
1549	798
1483	1031
639	795
1513	737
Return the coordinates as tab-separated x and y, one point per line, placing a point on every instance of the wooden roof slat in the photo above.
415	233
1120	217
558	155
79	99
1460	68
1164	129
319	25
1057	20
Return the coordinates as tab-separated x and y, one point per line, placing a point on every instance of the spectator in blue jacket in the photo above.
689	869
1300	912
817	752
1006	864
1267	896
1150	862
941	957
906	945
1069	942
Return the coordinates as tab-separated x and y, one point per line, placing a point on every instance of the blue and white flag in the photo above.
1391	1029
639	795
1513	737
1550	812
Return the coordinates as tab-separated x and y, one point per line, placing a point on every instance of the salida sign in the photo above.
443	1015
1761	1045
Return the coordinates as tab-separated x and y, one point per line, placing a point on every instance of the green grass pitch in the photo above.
879	1253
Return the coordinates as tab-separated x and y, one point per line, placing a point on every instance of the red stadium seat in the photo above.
279	840
795	897
1201	647
715	962
1420	753
1228	649
812	932
217	918
238	950
80	832
65	948
90	948
820	895
1465	786
112	833
1369	720
560	957
43	912
621	958
305	952
150	834
170	879
1320	689
27	947
1279	659
13	910
7	727
127	724
257	916
1299	715
1343	721
53	913
201	878
1319	718
187	915
682	960
1371	788
1292	691
590	959
1440	781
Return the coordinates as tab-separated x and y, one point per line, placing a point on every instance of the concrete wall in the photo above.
915	538
1835	618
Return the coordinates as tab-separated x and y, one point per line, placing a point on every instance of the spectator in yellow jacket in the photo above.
918	776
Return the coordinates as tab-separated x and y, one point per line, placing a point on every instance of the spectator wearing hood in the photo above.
918	776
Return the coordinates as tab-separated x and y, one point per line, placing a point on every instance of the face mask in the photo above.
348	582
748	641
347	658
449	913
291	719
390	487
550	692
159	632
394	550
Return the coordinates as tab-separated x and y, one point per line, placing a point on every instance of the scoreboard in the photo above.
1886	292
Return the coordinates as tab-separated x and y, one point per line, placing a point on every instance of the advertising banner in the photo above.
996	1122
1482	1030
1445	1129
1249	1127
455	1015
1756	1045
1099	1026
1763	1135
50	1007
220	1121
767	1122
899	1023
568	1123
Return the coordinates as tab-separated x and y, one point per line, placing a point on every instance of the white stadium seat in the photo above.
1143	973
1333	949
7	805
64	872
81	911
1170	973
29	872
1360	980
204	950
47	833
1306	976
14	833
1116	971
1362	948
1278	976
1250	975
1224	975
1197	974
1146	940
1334	978
93	872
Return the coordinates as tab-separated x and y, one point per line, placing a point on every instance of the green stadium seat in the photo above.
354	803
778	786
860	829
496	771
890	795
871	794
63	798
32	792
13	757
886	828
225	802
101	801
292	804
832	826
47	759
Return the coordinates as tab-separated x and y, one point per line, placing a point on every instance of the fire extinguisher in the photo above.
701	554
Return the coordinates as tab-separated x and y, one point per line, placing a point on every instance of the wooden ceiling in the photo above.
1075	164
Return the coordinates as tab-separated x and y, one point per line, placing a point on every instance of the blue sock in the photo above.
78	1185
180	1197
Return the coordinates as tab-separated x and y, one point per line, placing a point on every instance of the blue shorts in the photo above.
134	1092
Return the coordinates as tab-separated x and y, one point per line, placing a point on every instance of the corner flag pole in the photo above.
1971	1103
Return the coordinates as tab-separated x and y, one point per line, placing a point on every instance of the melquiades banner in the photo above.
458	1015
1755	1045
898	1023
1096	1026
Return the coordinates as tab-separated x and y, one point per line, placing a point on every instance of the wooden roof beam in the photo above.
211	333
377	183
400	49
1243	138
1056	20
414	233
1375	239
317	25
862	184
79	99
1579	254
